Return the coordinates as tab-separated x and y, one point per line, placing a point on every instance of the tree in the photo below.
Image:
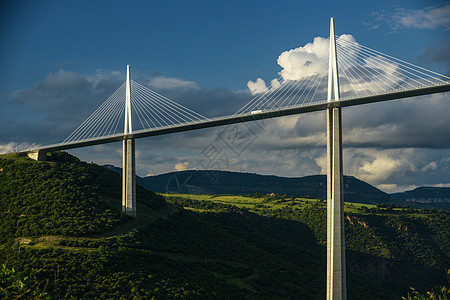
14	287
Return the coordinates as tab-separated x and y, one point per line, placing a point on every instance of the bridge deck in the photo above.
233	119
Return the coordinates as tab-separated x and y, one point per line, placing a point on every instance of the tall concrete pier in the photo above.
336	273
129	178
129	158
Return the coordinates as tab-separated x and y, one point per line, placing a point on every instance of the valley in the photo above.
61	226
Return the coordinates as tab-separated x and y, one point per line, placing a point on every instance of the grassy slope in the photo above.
226	247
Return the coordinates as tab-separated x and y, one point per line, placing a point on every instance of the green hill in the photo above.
61	225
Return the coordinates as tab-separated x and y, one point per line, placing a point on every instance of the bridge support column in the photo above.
129	157
336	273
129	178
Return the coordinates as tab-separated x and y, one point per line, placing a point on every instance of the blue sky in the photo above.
202	54
209	42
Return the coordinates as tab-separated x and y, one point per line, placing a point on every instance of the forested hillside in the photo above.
61	226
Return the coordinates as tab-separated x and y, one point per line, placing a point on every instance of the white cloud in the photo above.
305	61
395	188
394	170
367	164
359	72
257	87
427	18
275	84
381	167
404	167
16	147
182	166
166	83
441	185
8	148
321	162
101	79
431	166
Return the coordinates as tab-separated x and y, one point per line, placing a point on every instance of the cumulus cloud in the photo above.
311	59
404	167
381	166
299	63
430	17
378	75
305	69
394	170
305	61
257	87
275	84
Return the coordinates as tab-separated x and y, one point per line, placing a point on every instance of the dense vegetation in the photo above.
16	287
388	249
61	197
62	226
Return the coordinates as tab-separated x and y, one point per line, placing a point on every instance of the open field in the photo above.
271	202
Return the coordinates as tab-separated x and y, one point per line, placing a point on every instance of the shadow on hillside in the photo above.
284	255
279	253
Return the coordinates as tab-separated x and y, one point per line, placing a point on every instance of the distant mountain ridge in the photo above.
314	186
225	182
436	196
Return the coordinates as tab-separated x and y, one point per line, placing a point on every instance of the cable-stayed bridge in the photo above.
365	76
332	73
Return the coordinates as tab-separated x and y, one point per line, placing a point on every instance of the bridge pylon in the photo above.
129	157
336	268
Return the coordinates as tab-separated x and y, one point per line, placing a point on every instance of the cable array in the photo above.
150	110
362	72
154	110
104	121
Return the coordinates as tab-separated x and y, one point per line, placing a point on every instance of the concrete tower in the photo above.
336	274
129	158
